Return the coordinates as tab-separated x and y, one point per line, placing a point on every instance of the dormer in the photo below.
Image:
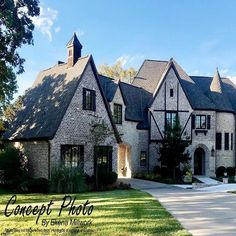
74	49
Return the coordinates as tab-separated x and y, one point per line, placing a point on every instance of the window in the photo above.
143	158
117	114
170	119
218	141
171	92
200	122
232	141
89	99
226	141
72	156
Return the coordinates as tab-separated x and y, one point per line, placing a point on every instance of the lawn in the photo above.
119	212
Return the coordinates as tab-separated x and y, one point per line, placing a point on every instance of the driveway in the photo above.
201	213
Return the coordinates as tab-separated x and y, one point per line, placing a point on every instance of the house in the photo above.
53	127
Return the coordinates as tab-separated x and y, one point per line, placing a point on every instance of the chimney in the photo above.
74	49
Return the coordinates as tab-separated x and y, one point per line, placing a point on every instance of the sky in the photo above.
199	34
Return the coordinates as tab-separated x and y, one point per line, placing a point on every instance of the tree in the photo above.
117	71
173	148
16	29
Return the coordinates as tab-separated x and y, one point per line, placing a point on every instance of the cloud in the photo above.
80	32
57	29
45	21
128	60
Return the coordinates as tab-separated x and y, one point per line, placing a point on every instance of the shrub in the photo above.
107	178
220	171
39	185
67	180
230	171
157	170
12	162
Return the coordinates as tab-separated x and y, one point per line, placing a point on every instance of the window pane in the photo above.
198	122
218	141
203	122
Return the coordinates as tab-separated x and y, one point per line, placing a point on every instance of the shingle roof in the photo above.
224	100
136	100
74	41
149	74
46	102
109	87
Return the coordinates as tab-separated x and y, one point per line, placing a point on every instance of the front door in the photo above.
102	159
199	161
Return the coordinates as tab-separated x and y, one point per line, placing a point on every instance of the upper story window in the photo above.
171	119
200	122
171	92
218	141
117	114
72	156
89	99
143	158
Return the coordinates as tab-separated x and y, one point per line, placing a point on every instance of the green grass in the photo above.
119	212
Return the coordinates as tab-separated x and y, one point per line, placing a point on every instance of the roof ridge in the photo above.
156	60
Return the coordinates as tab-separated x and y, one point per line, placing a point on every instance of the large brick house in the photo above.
53	125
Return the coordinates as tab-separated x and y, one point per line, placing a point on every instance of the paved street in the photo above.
200	212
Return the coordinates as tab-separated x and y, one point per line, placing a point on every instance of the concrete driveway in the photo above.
201	213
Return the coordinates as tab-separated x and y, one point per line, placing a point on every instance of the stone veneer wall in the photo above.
37	153
136	139
225	123
75	129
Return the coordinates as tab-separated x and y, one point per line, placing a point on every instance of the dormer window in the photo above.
171	92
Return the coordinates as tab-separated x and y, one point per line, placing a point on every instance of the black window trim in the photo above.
118	117
200	115
171	92
72	145
93	95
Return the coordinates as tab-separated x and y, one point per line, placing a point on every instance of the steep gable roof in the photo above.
216	84
46	102
150	74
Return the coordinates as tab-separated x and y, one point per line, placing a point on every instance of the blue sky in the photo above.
199	35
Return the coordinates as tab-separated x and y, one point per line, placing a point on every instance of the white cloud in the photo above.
128	60
45	21
57	29
80	32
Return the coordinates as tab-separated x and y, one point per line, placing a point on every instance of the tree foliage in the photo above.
16	29
173	148
117	71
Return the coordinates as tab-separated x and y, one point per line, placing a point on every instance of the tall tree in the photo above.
118	72
16	29
173	148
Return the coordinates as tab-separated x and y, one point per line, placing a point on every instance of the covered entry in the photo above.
199	161
124	160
